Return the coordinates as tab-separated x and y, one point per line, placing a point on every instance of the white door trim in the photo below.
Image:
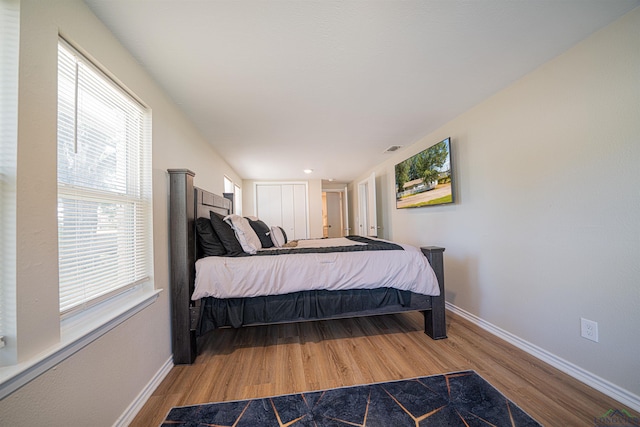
367	218
345	208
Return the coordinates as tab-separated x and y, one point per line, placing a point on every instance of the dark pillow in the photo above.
208	242
262	230
226	235
283	233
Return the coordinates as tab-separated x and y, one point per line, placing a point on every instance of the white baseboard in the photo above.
623	396
130	413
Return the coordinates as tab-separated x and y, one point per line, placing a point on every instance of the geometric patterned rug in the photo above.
455	399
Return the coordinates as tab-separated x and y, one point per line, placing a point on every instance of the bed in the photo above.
194	317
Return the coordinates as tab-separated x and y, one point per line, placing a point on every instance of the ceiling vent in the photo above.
392	149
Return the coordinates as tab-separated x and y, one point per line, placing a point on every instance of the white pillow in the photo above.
244	233
277	236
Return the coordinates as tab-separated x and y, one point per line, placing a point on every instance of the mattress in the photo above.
253	276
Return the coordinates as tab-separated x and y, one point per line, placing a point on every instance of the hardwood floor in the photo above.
272	360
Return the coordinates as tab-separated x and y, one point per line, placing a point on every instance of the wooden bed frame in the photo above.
187	203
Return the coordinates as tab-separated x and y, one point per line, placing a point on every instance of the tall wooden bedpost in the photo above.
182	253
435	322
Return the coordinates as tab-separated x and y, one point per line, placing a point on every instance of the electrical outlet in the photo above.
589	329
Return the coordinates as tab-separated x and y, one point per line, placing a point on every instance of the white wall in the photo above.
97	384
546	227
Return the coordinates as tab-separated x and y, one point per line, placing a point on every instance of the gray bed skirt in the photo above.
307	305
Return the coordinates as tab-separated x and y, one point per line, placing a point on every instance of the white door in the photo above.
368	220
335	226
288	211
300	211
269	204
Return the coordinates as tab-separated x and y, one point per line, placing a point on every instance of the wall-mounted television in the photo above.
426	178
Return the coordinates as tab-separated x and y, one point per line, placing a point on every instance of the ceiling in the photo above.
281	86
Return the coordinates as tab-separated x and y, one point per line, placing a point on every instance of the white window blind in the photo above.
9	46
237	199
228	185
104	185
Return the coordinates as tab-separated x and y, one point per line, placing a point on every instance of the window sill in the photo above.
76	333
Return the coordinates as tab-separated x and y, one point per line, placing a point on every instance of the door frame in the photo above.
345	206
367	217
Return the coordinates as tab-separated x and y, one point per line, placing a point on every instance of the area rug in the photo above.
455	399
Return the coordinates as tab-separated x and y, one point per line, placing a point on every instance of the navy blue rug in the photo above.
456	399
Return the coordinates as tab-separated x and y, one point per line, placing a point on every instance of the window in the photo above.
228	185
237	199
231	188
9	41
104	185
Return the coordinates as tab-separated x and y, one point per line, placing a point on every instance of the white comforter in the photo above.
230	277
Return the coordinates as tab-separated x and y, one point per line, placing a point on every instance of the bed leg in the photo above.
435	321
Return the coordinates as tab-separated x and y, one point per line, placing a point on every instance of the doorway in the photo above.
335	213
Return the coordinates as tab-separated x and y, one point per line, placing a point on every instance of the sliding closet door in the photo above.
269	204
300	214
284	205
288	210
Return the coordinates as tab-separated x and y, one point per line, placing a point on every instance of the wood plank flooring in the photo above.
272	360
